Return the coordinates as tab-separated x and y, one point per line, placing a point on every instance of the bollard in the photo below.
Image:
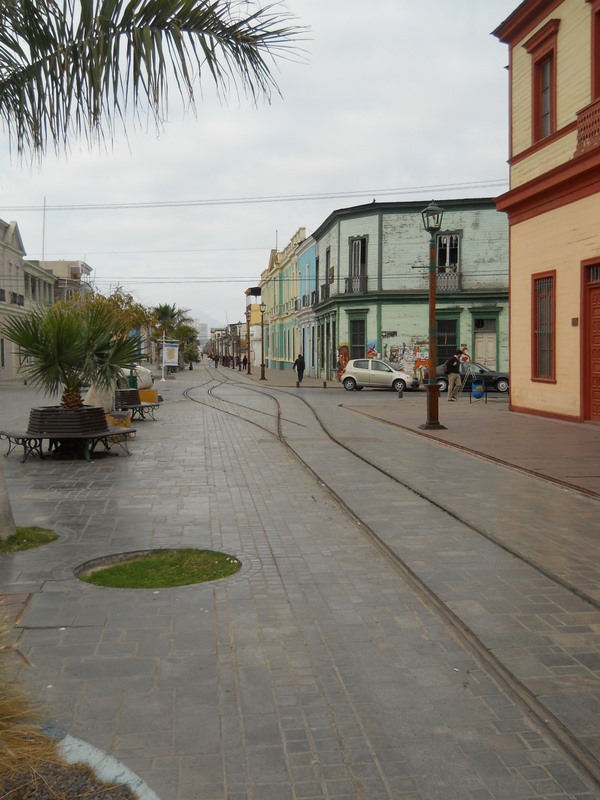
400	394
324	384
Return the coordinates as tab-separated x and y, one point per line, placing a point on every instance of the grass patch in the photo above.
162	569
26	538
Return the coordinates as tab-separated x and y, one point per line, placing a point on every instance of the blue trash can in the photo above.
478	389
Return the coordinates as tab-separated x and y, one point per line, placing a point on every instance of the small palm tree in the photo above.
67	347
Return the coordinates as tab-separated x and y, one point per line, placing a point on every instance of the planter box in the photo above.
148	395
119	419
52	422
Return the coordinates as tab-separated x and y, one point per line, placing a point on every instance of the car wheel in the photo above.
442	383
398	385
502	385
349	384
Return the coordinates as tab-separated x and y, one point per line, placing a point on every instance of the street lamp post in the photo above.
239	343
432	222
263	308
248	315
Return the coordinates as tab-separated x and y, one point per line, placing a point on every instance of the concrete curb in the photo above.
106	767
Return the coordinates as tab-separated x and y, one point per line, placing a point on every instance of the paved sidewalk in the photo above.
318	672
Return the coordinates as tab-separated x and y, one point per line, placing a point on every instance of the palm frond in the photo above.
78	65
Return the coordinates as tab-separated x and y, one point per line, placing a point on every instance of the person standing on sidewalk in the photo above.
299	366
452	370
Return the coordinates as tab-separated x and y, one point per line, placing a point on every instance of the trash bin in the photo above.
478	389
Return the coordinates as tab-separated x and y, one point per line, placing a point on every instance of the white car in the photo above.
374	373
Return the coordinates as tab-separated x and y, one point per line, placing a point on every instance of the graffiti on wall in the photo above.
412	356
343	359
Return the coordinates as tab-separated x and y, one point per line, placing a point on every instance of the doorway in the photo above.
592	344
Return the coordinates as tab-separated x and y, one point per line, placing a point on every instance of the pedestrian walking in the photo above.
299	366
452	370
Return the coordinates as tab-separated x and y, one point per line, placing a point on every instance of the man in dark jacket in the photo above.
452	369
299	366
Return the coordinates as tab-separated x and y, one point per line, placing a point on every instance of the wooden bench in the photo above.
82	444
129	400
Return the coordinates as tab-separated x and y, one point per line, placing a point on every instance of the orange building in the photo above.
553	207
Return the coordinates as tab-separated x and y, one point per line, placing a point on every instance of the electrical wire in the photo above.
288	198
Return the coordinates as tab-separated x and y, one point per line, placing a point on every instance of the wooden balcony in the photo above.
588	128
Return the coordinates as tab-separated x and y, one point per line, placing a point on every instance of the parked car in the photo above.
376	374
470	370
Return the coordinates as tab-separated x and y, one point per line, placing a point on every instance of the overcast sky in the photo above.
395	100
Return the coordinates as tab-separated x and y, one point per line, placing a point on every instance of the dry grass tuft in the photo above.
23	745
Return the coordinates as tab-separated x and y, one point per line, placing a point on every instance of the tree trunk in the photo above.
7	522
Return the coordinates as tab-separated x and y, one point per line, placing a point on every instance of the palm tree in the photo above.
169	318
175	324
68	347
73	67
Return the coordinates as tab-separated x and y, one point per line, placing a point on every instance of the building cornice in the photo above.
524	20
565	184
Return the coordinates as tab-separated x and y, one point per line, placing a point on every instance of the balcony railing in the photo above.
314	297
357	284
588	128
305	299
324	291
448	282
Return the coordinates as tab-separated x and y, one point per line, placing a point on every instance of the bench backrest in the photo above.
127	397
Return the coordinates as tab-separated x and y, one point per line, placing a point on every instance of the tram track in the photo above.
559	580
586	759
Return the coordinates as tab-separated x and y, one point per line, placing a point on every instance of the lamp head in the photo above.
432	218
263	308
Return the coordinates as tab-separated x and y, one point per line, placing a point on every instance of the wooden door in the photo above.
485	349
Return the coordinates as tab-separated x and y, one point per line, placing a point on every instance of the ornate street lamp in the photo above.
432	222
248	315
263	308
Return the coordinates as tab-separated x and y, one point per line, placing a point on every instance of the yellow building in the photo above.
553	207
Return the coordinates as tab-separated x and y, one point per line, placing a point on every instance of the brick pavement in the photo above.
318	672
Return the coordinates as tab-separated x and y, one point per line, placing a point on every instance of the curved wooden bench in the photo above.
84	444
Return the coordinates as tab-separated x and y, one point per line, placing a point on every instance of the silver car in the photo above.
374	373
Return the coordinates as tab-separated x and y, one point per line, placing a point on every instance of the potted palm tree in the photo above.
65	348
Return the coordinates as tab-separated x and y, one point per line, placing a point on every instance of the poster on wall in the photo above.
372	349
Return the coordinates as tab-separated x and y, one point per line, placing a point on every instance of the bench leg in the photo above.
30	444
